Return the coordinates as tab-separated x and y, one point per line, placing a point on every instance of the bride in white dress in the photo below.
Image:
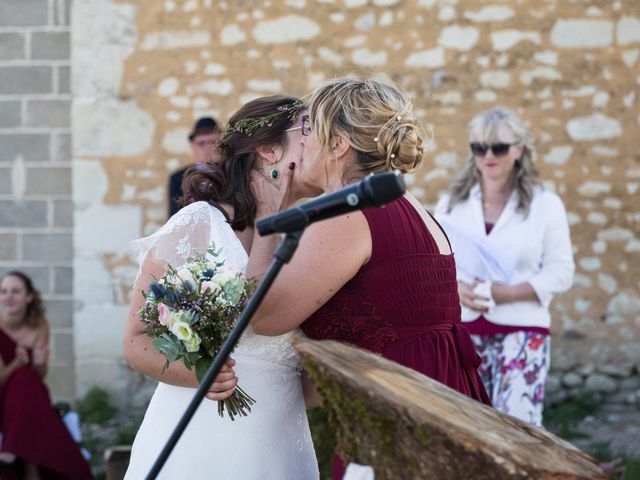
273	441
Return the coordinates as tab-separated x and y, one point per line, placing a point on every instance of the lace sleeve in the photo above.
185	234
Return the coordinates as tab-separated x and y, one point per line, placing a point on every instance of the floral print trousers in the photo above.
514	371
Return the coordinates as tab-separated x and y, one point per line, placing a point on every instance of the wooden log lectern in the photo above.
406	425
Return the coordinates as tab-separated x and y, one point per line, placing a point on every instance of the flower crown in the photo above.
249	125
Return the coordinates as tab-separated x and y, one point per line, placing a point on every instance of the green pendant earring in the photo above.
274	174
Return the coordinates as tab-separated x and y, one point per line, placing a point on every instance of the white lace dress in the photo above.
273	441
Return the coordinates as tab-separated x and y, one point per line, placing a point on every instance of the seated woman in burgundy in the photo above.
35	442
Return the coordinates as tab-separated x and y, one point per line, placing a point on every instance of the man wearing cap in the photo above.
204	141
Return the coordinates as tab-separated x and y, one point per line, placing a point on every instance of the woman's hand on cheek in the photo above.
273	195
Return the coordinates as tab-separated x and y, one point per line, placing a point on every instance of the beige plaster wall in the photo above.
569	67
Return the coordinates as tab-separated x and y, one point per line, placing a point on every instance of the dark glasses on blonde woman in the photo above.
498	149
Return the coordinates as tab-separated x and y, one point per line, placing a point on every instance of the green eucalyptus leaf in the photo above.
202	365
169	346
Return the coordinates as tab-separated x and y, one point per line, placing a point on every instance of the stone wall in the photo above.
143	71
36	212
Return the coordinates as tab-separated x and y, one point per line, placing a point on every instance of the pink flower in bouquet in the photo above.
164	315
209	285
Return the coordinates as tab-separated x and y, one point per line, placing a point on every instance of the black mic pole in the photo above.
282	255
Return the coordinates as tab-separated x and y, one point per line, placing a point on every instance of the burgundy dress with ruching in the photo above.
31	429
404	305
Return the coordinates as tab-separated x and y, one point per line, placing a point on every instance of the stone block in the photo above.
48	181
619	370
62	214
62	12
10	113
617	398
20	79
64	79
5	181
61	147
582	33
48	113
8	246
593	127
552	385
50	46
571	380
23	13
599	383
23	214
586	369
12	46
62	348
123	222
61	382
133	127
47	247
29	146
630	384
563	363
628	30
59	313
63	280
98	329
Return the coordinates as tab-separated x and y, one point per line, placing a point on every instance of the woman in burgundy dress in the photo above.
383	279
35	442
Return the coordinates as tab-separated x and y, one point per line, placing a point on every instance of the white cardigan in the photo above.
540	243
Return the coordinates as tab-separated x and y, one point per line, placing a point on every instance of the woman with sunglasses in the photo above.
513	253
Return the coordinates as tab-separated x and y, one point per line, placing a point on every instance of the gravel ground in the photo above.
617	426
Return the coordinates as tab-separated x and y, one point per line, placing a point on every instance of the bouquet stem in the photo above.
239	403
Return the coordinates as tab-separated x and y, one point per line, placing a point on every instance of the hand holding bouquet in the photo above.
189	313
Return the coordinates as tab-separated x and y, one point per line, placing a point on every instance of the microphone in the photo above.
374	191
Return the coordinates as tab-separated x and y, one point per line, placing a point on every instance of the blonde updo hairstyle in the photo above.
375	119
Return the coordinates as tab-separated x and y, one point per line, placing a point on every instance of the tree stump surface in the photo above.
406	425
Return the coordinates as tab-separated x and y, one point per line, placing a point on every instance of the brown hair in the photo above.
34	316
376	119
228	180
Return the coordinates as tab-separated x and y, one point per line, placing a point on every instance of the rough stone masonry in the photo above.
142	71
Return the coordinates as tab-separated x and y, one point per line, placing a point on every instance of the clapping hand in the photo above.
22	357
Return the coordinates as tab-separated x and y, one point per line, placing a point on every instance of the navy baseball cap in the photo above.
203	126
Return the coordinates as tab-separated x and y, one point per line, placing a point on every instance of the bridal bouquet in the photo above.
189	313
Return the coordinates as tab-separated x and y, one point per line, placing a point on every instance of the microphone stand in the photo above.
282	255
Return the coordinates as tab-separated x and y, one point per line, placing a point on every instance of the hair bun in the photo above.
400	145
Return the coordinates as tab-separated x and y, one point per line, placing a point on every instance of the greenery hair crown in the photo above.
249	125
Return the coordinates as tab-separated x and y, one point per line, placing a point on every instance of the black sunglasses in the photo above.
498	149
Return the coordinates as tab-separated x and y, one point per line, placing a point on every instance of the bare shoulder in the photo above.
38	335
43	332
349	233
